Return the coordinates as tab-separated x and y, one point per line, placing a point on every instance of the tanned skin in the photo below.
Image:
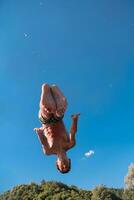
54	137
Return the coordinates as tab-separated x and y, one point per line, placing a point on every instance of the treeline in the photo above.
58	191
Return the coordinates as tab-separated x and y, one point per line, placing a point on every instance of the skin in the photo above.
56	141
54	137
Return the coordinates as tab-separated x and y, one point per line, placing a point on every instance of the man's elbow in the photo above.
46	151
72	144
73	131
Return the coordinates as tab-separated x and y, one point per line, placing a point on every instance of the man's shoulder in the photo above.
69	146
47	151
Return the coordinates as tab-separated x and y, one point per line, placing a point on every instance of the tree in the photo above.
102	193
52	190
128	194
129	179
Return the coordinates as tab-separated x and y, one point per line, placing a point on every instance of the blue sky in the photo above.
87	48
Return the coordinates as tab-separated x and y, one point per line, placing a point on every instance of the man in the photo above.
53	134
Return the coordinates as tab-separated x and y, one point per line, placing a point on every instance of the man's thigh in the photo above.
47	103
60	100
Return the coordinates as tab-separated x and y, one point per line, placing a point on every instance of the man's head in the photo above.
63	165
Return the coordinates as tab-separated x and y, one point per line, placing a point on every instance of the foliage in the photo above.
102	193
58	191
129	179
128	194
118	192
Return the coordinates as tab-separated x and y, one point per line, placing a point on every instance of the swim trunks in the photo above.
50	120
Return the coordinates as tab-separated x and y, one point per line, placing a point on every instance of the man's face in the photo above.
63	165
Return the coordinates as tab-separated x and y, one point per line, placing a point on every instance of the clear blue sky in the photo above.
87	48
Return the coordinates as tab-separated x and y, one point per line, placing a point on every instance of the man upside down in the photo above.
53	134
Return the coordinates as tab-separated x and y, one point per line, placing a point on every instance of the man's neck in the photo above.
61	154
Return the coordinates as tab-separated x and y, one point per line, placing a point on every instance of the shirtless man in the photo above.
53	134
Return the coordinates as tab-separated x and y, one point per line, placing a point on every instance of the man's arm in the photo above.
73	130
43	140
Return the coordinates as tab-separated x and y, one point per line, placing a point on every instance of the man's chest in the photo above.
57	142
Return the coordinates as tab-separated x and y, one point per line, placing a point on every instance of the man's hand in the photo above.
38	130
75	116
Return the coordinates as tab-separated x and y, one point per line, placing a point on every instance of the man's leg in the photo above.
60	99
47	103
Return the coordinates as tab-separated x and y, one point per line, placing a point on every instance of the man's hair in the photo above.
64	172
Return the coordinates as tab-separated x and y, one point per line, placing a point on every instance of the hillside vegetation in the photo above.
58	191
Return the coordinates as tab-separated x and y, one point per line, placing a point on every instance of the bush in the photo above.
58	191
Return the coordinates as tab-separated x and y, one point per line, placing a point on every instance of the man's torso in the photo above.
57	136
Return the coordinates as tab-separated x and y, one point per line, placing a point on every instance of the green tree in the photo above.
128	194
129	179
58	191
102	193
